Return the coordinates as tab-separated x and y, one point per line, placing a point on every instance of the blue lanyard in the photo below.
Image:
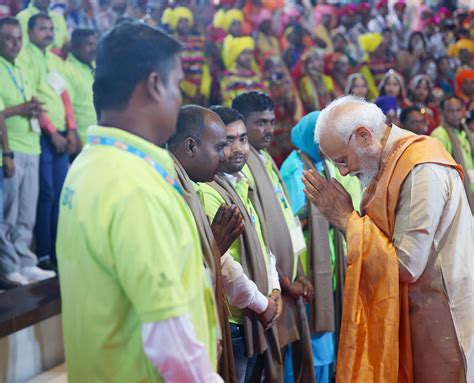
21	88
108	141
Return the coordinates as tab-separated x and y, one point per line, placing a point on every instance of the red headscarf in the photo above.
463	74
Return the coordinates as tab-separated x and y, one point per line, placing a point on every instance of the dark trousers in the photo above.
53	169
243	365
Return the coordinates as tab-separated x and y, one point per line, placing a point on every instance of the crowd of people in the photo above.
253	77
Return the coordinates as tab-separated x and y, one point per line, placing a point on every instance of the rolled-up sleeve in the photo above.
239	289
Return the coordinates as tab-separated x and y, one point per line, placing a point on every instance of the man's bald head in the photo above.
199	143
349	131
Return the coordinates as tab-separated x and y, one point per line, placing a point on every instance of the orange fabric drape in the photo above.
375	341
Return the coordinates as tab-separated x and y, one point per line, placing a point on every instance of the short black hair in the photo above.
8	21
449	98
39	16
250	102
227	115
190	124
126	56
407	111
78	35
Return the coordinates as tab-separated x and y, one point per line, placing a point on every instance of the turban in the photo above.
455	48
261	16
347	9
369	42
464	74
363	7
381	3
233	48
177	14
321	10
230	16
218	19
165	19
400	4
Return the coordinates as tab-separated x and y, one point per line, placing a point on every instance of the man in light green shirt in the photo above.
137	304
61	36
458	139
20	191
251	251
79	69
59	137
284	234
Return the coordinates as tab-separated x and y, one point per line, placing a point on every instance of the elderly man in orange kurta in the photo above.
409	295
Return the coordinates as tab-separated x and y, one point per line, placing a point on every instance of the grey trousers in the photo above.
20	199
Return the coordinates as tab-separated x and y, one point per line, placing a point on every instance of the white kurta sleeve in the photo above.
421	203
239	289
172	348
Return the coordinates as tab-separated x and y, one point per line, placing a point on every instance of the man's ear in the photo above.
155	86
190	146
364	136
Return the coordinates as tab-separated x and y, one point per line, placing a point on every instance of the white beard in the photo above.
370	165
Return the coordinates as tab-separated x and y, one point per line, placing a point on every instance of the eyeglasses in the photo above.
343	162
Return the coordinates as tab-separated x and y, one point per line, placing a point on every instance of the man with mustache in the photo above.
409	301
20	161
284	234
35	7
254	348
200	147
58	130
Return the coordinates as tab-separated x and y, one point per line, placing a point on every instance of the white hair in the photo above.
363	113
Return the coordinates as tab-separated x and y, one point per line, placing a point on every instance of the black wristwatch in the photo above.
9	155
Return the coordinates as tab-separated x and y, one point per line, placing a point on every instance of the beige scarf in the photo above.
293	324
257	341
211	257
322	311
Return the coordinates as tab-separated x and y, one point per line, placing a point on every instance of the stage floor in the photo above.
55	375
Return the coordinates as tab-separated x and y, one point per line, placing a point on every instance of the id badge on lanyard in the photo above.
20	87
297	238
56	82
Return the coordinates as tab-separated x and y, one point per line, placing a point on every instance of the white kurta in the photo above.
434	238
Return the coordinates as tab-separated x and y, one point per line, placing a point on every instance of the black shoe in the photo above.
6	284
48	265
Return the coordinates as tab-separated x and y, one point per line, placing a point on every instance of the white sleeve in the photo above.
184	358
239	289
275	280
421	203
